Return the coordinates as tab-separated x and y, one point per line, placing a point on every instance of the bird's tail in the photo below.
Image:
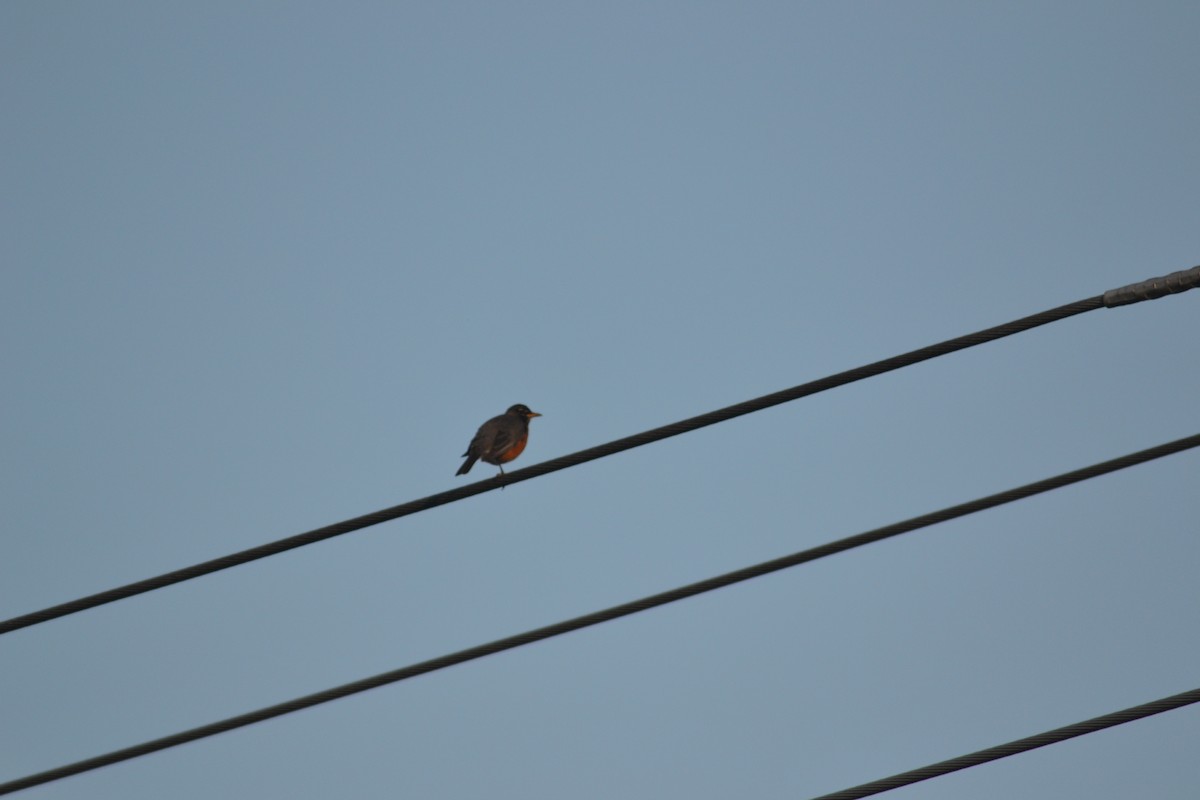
466	467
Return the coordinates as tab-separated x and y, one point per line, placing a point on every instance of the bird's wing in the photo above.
478	442
503	438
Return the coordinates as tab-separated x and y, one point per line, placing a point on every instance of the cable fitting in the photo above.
1153	288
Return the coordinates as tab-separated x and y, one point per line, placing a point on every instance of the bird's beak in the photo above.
533	414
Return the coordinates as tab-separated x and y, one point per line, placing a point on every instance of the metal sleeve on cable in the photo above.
1153	288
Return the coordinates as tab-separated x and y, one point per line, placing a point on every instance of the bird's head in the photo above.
522	410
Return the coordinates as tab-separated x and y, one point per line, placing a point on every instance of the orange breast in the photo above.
512	452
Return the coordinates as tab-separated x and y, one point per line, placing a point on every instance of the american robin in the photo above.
500	439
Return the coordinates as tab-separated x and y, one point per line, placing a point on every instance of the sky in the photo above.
267	266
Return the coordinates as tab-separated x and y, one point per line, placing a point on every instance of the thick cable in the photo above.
604	615
1144	290
1015	747
553	465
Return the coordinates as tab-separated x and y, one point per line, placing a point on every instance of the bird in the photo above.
500	439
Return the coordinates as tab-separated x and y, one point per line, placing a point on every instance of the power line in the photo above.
1015	747
604	615
1145	290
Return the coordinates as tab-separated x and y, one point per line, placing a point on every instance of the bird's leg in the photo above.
502	481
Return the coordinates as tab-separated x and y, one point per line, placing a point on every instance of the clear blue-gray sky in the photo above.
268	265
